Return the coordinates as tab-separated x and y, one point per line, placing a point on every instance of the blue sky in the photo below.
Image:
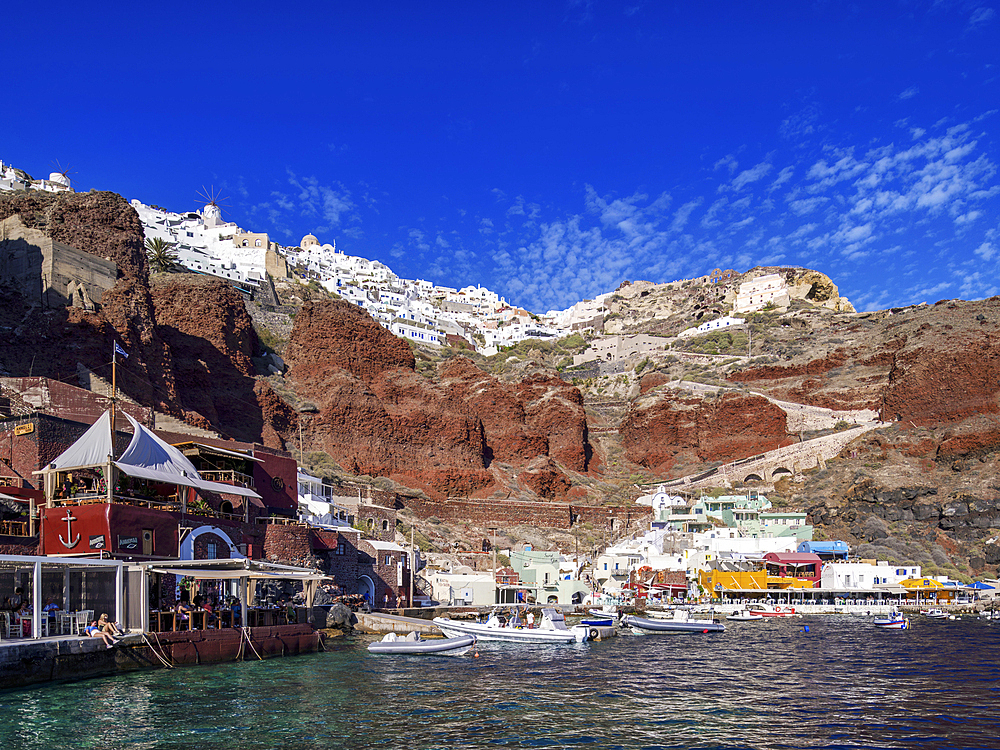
545	150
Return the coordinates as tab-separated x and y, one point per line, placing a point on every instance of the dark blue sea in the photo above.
842	684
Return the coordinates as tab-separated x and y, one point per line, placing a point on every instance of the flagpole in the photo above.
114	389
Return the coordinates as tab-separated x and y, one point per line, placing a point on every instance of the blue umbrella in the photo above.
980	586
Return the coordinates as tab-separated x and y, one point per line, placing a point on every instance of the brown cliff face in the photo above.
338	335
378	416
105	225
205	325
99	223
929	366
668	432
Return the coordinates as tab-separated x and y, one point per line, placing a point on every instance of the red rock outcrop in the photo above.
100	223
378	416
105	225
671	430
338	335
209	333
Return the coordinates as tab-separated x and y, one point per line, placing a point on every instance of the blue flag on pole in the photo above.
119	350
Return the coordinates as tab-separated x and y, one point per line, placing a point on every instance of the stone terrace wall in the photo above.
507	513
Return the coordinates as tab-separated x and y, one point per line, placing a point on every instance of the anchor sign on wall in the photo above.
69	531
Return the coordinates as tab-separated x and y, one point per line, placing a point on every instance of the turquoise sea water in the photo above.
843	684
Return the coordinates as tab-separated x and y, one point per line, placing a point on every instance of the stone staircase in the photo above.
167	423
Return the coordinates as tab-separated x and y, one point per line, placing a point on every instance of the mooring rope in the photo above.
246	632
152	648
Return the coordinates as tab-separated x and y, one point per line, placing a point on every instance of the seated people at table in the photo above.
51	607
183	610
23	615
95	631
17	600
109	627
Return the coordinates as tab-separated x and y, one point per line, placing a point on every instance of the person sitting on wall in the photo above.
109	627
95	631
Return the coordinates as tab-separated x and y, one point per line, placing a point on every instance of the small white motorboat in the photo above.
893	621
772	610
935	614
682	622
745	616
414	644
552	629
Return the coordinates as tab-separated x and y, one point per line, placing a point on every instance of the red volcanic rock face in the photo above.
378	416
650	381
674	430
336	334
209	333
99	223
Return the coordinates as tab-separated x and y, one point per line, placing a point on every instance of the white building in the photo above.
712	325
317	504
757	293
863	576
462	587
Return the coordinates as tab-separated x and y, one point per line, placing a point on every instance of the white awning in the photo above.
91	449
209	574
222	451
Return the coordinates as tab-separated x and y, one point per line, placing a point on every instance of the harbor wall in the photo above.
30	662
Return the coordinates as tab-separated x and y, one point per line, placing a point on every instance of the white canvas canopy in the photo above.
92	449
149	457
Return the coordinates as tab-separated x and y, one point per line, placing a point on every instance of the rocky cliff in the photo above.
461	432
673	433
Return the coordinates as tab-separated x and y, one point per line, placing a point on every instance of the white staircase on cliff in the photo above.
167	423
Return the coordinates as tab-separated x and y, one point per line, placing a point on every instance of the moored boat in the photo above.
772	610
893	621
745	616
414	644
682	622
935	613
552	629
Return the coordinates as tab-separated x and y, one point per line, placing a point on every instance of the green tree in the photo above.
161	255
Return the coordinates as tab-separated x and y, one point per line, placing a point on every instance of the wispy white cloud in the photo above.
909	93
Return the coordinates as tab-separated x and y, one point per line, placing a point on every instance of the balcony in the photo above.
166	503
229	477
14	528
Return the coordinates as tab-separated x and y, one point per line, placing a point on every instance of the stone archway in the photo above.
779	472
186	550
753	478
366	587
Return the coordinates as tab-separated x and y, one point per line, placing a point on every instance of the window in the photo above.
341	549
385	525
212	551
388	559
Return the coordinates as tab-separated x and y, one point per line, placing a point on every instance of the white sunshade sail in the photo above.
149	457
92	449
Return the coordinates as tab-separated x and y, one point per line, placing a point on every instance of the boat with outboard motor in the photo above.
742	615
681	622
935	613
895	620
414	644
551	629
771	610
